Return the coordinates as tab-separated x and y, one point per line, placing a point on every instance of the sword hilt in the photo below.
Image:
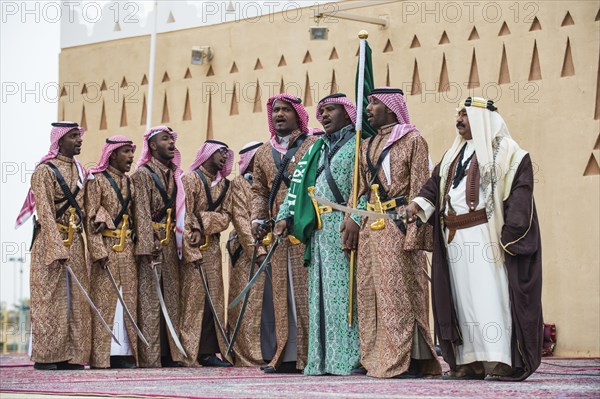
70	228
379	224
123	234
165	241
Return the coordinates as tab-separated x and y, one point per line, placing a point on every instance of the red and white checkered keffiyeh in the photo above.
111	144
56	134
338	99
145	156
246	155
395	102
315	131
205	152
296	103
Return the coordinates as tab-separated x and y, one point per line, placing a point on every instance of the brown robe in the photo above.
524	270
147	205
265	171
247	347
197	331
102	206
59	333
392	289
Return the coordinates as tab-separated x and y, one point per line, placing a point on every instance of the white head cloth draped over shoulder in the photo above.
394	100
111	145
205	152
247	154
498	156
59	129
145	157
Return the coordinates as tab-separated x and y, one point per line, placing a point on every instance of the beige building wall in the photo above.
538	60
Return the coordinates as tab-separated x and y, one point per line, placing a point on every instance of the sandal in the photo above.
465	372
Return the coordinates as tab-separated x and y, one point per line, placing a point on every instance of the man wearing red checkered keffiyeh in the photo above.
397	161
208	201
160	215
109	220
274	163
60	316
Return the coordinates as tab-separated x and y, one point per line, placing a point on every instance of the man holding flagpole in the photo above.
392	291
325	170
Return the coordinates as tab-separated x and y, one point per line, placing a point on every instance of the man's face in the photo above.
69	145
163	146
334	117
122	158
217	160
284	118
462	124
377	113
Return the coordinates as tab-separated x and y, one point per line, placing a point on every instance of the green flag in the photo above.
369	85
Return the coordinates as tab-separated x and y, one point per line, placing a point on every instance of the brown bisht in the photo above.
200	334
286	254
147	208
60	333
241	246
523	260
392	290
102	206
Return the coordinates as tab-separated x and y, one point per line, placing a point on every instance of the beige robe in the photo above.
102	206
193	294
60	332
148	203
247	347
392	291
287	257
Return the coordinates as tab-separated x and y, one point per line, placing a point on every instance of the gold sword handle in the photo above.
311	191
378	224
121	245
206	244
164	242
268	240
70	228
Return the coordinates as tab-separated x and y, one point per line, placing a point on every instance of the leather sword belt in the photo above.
115	233
389	205
458	222
65	229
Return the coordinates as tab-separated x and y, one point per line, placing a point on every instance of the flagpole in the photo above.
362	35
151	68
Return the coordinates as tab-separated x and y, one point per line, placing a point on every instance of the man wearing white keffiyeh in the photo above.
487	254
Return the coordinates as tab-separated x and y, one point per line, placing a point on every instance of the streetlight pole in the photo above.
21	326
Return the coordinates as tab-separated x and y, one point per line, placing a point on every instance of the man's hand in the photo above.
260	259
410	212
259	231
103	263
195	238
157	247
281	229
99	228
349	232
144	259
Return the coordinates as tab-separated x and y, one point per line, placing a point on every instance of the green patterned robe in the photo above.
333	348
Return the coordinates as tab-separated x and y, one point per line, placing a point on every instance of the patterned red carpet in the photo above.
561	378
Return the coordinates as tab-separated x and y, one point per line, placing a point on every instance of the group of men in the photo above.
300	218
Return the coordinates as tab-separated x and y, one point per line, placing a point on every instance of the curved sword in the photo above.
211	304
94	308
238	322
127	312
360	212
163	307
262	267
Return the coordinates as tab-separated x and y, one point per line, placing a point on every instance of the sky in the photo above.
29	73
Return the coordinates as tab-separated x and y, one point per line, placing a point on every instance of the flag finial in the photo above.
363	34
